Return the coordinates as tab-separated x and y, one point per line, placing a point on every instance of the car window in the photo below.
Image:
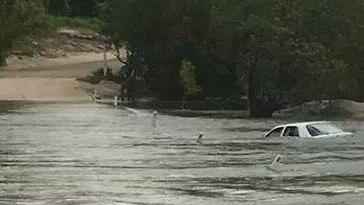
313	131
275	133
291	131
326	128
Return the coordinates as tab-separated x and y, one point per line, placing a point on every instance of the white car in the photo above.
308	130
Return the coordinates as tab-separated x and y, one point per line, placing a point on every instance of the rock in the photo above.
78	33
333	109
18	52
108	89
344	109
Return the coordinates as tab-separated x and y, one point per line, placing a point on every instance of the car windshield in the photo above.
275	132
323	128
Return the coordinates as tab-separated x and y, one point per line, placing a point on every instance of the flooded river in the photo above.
96	154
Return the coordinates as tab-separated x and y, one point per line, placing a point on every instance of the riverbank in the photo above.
218	114
51	79
326	109
43	79
47	68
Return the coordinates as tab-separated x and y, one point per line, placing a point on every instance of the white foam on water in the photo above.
139	113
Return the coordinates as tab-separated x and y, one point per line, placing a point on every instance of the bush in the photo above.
50	22
97	76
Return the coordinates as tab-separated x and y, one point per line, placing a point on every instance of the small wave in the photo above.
139	113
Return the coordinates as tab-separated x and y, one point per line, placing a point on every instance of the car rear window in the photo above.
313	131
325	128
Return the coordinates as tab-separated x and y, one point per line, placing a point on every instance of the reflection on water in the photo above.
96	154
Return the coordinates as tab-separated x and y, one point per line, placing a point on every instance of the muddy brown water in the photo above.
96	154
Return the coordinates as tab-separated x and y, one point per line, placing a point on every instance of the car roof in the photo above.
301	124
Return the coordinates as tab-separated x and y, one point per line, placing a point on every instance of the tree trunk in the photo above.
258	106
183	103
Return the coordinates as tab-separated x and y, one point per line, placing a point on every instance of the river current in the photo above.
61	153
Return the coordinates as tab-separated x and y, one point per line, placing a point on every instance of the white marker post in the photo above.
104	40
94	95
154	123
116	101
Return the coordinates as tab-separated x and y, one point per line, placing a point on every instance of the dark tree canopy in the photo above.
276	52
267	49
75	8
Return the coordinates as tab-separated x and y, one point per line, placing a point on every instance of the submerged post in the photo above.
200	136
278	160
154	122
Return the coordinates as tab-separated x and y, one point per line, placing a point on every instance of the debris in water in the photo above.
200	136
278	160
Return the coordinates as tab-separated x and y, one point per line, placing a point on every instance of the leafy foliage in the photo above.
26	17
187	75
276	52
268	49
188	81
59	7
54	22
17	18
74	13
75	8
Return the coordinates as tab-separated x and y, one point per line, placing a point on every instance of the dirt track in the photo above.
42	79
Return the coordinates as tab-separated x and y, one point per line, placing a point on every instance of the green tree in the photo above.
188	80
161	34
272	47
58	7
82	8
310	46
17	17
333	32
248	36
77	8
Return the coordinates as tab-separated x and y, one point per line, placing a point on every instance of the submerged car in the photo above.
308	130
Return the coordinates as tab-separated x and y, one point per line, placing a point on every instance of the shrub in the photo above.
54	22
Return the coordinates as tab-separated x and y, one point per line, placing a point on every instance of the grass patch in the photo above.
23	45
54	22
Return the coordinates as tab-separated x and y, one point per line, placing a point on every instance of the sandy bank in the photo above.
44	79
41	63
42	89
